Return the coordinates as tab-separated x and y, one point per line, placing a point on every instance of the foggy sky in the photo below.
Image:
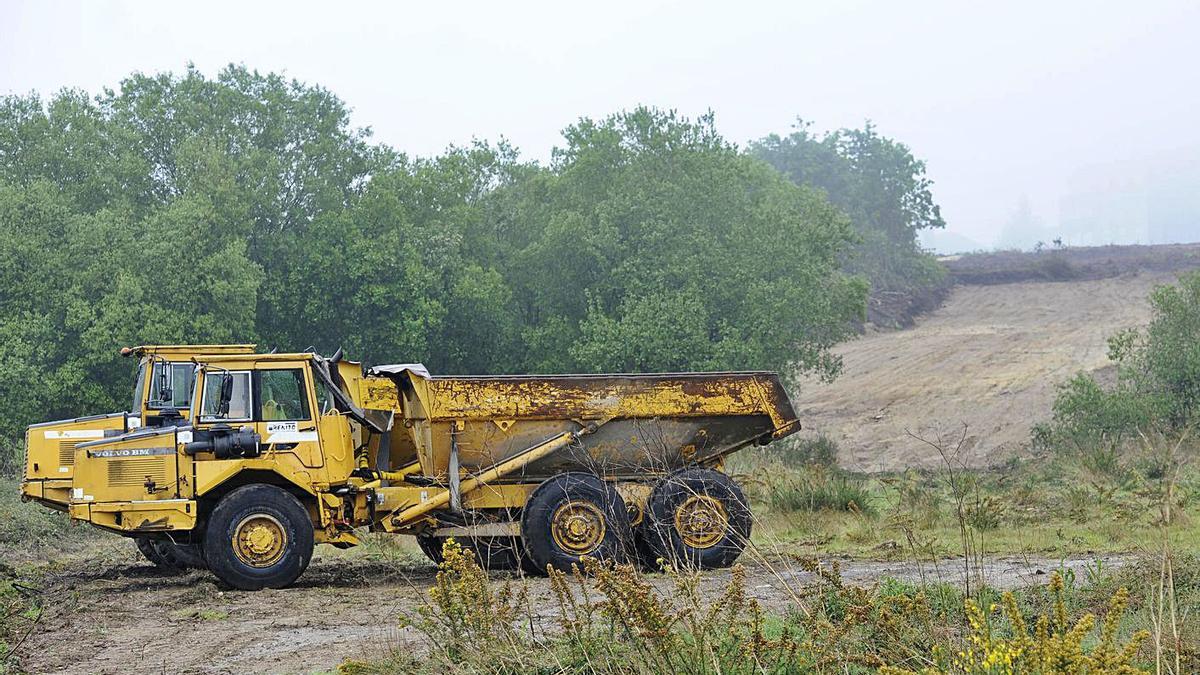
1023	110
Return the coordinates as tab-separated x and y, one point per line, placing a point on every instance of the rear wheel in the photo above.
258	536
697	518
169	556
572	516
163	556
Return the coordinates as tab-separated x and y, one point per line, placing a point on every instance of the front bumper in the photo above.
160	515
53	493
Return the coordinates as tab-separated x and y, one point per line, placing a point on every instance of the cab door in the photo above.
275	400
285	417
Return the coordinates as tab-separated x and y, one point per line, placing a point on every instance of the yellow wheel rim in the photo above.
701	521
259	540
577	527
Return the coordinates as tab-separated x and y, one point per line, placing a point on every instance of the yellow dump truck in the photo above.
279	452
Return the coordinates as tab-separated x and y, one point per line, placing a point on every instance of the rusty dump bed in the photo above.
644	423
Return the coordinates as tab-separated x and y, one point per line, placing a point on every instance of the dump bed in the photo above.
654	422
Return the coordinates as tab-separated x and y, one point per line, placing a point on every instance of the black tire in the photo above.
161	554
597	502
191	555
495	554
699	491
266	509
644	553
432	548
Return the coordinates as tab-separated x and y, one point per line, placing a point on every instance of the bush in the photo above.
1055	268
821	490
803	452
1157	386
613	619
1056	645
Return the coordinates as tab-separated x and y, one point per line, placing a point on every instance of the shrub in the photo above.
1157	384
1055	268
821	490
803	452
612	619
917	501
1056	645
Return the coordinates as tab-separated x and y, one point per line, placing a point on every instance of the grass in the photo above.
815	491
1059	505
31	533
200	614
1099	618
806	508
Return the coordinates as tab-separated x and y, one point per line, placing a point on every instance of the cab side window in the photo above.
239	401
282	395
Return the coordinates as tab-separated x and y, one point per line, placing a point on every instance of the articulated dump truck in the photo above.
278	452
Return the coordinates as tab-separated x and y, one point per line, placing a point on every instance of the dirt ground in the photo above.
123	616
988	360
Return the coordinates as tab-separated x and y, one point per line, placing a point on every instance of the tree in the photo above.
184	209
653	244
878	183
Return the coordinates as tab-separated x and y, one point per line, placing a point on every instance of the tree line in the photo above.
246	207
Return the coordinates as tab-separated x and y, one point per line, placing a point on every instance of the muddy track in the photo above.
126	617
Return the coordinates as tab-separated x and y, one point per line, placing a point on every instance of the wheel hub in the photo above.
578	527
701	521
259	540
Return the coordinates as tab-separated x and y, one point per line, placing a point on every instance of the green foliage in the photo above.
1157	384
802	452
653	244
883	189
612	619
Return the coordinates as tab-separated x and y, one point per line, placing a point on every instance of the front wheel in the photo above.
258	536
159	553
191	555
697	518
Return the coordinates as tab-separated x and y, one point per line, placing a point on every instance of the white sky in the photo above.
1005	101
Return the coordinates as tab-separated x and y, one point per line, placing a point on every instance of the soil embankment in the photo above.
983	368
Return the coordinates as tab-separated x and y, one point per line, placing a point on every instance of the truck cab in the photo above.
277	424
162	395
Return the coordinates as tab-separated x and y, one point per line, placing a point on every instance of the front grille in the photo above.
66	451
131	472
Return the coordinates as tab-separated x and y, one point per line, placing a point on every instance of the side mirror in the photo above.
226	395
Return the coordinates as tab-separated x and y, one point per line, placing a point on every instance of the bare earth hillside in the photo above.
990	359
